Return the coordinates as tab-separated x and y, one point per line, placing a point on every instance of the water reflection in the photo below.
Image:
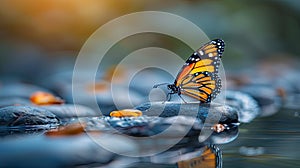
210	158
206	156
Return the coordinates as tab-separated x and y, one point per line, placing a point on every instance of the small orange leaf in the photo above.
68	130
126	113
44	98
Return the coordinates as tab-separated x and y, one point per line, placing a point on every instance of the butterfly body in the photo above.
198	77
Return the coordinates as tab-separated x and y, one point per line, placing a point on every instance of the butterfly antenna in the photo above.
156	86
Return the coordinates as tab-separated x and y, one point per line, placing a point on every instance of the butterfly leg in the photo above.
168	98
182	98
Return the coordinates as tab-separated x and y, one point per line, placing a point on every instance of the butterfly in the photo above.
198	77
210	158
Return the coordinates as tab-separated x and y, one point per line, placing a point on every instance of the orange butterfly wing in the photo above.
210	158
198	77
203	86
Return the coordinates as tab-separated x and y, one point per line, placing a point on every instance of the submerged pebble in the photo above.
251	151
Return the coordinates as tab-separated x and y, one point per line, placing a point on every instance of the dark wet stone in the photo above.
26	115
247	107
222	113
185	127
70	110
224	137
266	96
20	90
12	101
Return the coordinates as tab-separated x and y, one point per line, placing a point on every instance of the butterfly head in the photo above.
173	88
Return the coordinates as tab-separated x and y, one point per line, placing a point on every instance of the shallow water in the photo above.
277	136
265	142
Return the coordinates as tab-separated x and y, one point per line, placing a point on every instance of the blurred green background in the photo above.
34	32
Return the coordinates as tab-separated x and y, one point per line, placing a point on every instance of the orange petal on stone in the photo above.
126	113
68	130
44	98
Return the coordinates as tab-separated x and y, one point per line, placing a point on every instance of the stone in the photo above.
222	113
26	115
184	128
266	96
247	106
251	151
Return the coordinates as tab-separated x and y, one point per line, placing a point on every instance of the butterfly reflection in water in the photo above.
198	77
210	158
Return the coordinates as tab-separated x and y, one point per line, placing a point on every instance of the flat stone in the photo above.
222	113
26	115
182	128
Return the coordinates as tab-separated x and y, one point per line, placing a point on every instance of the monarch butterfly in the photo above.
210	158
198	78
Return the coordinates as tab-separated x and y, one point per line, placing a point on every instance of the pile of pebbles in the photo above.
162	133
